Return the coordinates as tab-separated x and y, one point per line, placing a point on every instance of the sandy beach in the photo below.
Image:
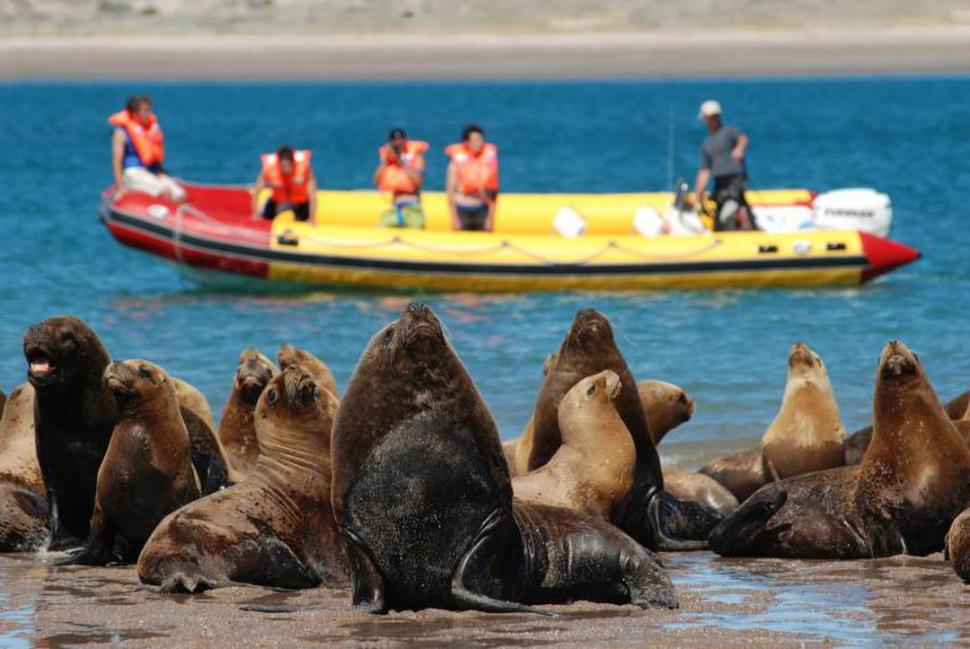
894	50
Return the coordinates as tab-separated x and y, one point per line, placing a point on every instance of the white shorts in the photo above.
139	179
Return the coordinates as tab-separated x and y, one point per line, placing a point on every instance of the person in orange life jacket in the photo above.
472	181
138	151
288	173
401	173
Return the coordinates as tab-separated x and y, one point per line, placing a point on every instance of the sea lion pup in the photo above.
913	481
958	545
23	504
592	472
650	516
290	355
275	528
666	406
147	471
74	415
237	432
423	500
957	409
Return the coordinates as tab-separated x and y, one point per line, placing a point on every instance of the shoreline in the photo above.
591	55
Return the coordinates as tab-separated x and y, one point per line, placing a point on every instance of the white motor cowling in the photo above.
860	209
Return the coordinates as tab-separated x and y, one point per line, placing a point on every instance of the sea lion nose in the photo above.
418	310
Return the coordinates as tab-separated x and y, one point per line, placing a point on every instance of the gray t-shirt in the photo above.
716	152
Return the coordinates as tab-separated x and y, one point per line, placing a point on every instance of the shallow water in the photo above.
907	137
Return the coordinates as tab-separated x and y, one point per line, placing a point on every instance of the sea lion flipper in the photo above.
655	519
733	535
367	583
99	550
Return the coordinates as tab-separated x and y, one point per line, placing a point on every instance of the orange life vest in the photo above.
475	173
393	179
148	140
287	189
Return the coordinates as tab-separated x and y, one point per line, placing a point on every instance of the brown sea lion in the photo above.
147	470
958	545
592	472
666	406
957	409
689	486
741	473
74	415
237	432
290	355
913	481
275	528
24	523
423	500
190	398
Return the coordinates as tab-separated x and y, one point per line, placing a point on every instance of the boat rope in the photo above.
224	228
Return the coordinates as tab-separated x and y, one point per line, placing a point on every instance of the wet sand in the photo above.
726	603
503	56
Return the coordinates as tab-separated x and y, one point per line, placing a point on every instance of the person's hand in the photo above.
690	200
736	155
391	157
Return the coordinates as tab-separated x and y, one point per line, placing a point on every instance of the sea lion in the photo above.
741	473
666	406
23	503
147	470
592	472
275	528
192	399
957	409
237	432
958	545
423	500
913	481
290	355
703	489
74	415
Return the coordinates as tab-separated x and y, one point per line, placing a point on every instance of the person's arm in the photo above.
492	201
258	187
311	188
700	185
380	170
451	186
415	170
737	153
117	156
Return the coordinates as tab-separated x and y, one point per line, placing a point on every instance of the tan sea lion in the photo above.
689	486
958	545
290	355
147	470
592	472
23	503
190	398
666	405
741	473
423	500
275	528
913	481
237	432
73	417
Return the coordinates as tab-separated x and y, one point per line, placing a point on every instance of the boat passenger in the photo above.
289	174
722	156
401	173
138	151
472	181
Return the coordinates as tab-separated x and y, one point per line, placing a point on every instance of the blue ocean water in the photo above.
909	137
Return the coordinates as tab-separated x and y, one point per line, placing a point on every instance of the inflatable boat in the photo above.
541	242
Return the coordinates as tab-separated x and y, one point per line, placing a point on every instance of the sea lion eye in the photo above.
272	396
68	338
388	335
591	389
143	372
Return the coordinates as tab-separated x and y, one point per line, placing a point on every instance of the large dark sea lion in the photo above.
147	470
74	416
592	472
913	481
24	523
237	430
275	528
957	409
423	500
290	355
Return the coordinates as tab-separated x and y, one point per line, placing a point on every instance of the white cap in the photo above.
709	108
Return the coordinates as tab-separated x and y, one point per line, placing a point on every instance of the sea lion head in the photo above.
666	406
802	361
60	351
596	391
295	405
414	348
590	333
253	372
898	366
136	381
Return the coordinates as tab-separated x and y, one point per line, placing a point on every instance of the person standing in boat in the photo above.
138	151
471	182
722	156
401	173
289	174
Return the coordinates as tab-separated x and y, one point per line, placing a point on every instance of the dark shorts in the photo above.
732	188
301	211
472	218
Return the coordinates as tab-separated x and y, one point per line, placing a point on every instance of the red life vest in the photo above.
288	189
393	179
475	173
148	140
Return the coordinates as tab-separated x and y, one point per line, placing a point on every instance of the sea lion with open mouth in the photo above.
147	470
423	500
276	527
913	481
237	429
